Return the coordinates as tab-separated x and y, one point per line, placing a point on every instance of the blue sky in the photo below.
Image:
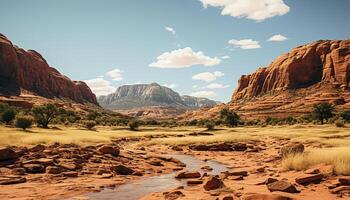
197	47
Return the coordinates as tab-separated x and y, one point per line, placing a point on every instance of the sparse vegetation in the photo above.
210	125
345	115
323	111
8	116
24	121
230	118
44	114
134	125
89	124
339	123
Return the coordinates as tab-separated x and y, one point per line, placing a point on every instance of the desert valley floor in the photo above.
115	163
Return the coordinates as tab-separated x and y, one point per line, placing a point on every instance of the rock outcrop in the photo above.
322	61
29	71
129	97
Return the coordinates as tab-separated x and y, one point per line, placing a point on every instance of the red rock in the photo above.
345	180
213	183
282	186
228	197
123	170
8	180
173	195
107	149
34	168
340	189
187	174
28	70
7	153
266	197
309	178
194	182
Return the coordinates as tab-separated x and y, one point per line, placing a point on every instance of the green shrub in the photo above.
345	115
44	114
230	118
210	125
339	123
8	116
133	125
89	124
323	111
24	121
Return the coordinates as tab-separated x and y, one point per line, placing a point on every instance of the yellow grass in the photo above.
339	157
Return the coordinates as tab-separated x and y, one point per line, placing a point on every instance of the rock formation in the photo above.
28	70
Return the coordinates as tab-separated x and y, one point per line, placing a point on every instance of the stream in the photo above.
143	187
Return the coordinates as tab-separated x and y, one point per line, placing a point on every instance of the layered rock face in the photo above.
145	95
325	61
28	70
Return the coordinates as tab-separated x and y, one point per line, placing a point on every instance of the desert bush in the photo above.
230	118
323	111
89	124
133	125
345	115
24	121
92	115
44	114
210	125
8	116
339	123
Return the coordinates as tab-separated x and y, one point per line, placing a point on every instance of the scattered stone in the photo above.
306	179
123	170
228	197
194	182
37	148
344	180
187	174
18	171
70	174
213	183
176	148
173	195
155	163
340	189
107	149
282	186
291	149
7	153
69	165
34	168
207	167
237	173
9	180
53	170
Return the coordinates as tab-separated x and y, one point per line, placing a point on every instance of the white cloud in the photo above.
100	86
182	58
116	74
217	86
225	57
205	94
257	10
277	38
169	29
171	86
207	76
245	44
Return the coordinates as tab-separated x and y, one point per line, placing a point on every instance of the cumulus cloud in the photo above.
207	76
116	74
170	85
225	57
100	86
169	29
245	44
217	86
182	58
257	10
205	94
277	38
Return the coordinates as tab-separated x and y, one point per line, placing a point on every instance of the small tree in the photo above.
89	124
345	115
210	125
230	118
323	111
24	121
44	114
133	125
8	116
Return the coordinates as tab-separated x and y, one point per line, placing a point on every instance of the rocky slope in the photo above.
145	95
27	72
293	83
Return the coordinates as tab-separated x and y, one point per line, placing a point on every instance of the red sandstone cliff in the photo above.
322	61
28	70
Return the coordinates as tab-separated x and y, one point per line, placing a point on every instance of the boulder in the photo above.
53	170
123	170
7	153
282	186
107	149
194	182
38	148
187	174
213	183
18	171
173	195
34	168
306	179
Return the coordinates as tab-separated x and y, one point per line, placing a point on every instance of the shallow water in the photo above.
140	188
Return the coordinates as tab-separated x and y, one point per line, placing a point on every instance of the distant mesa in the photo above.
140	99
27	72
292	84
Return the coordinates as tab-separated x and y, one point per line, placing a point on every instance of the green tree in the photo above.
24	121
345	115
230	118
8	116
44	114
323	111
210	125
